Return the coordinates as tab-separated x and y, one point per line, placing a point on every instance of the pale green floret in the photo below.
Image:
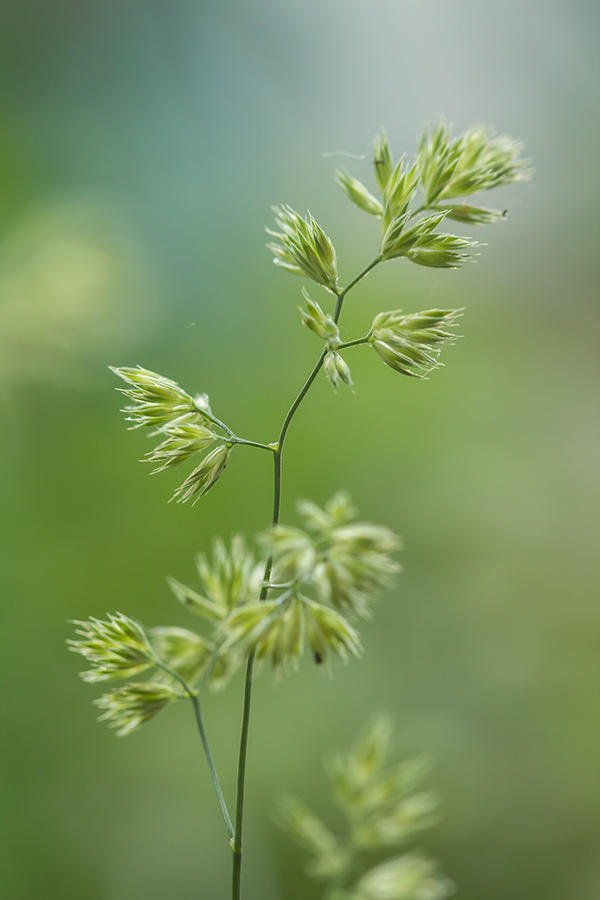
358	193
184	438
399	192
116	648
158	400
184	651
442	251
131	706
182	421
411	344
337	369
472	215
318	322
478	160
303	247
205	476
397	242
382	160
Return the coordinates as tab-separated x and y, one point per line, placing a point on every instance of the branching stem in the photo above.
277	454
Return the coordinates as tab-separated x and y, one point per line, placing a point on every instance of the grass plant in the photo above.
306	587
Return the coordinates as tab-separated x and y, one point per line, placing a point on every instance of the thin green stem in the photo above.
241	780
358	278
231	436
161	665
193	696
218	422
237	440
356	343
286	424
211	765
278	450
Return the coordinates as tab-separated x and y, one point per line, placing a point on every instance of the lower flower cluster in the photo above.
322	581
384	809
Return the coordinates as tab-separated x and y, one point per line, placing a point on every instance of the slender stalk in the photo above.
236	440
355	343
355	281
241	780
193	696
278	450
211	765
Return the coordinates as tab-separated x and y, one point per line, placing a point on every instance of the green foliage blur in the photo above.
141	147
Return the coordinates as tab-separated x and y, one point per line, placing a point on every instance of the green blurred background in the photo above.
142	144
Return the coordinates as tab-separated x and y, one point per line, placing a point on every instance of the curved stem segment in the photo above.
211	765
278	450
193	696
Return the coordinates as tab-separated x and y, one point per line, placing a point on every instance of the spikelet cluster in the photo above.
302	247
133	705
384	809
120	648
411	344
445	169
185	424
116	648
476	161
320	323
230	581
324	575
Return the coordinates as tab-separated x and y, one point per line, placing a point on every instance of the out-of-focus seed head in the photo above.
328	631
328	858
343	562
229	579
293	550
182	650
408	877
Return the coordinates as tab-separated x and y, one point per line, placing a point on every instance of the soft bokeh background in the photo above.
142	144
